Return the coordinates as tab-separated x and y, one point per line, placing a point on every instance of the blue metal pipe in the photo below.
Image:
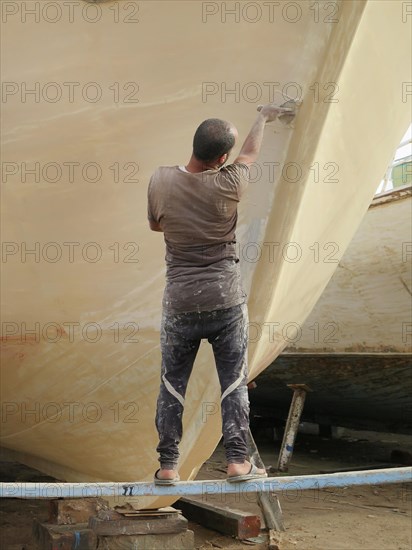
208	487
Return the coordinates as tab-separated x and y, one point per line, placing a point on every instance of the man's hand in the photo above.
251	147
271	111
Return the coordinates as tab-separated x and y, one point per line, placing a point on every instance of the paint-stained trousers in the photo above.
181	334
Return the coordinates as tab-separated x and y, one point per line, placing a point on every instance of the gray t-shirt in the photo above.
198	215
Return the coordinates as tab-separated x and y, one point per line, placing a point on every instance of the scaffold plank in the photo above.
204	487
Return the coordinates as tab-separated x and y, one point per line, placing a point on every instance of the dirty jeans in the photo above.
227	331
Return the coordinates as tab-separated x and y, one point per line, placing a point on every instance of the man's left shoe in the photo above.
252	474
158	481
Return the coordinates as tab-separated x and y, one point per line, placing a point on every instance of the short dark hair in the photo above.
212	139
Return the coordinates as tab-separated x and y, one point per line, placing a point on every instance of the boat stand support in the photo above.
292	425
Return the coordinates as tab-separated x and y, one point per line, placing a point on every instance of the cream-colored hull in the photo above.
366	307
353	350
94	402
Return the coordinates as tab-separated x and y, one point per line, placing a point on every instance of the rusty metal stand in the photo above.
268	502
292	425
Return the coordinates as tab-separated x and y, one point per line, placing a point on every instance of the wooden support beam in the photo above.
235	523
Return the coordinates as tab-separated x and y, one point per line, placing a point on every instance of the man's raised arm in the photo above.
251	147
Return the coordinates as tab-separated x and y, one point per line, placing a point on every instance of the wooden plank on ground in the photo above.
235	523
164	512
138	526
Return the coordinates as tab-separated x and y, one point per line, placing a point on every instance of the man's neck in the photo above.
195	166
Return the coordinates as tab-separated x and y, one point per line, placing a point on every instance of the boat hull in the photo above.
358	391
81	312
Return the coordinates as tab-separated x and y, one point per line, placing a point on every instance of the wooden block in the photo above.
227	521
138	525
73	510
178	541
108	514
64	537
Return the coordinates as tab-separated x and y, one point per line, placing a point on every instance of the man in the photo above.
196	208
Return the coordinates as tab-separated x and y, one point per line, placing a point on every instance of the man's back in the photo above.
197	213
